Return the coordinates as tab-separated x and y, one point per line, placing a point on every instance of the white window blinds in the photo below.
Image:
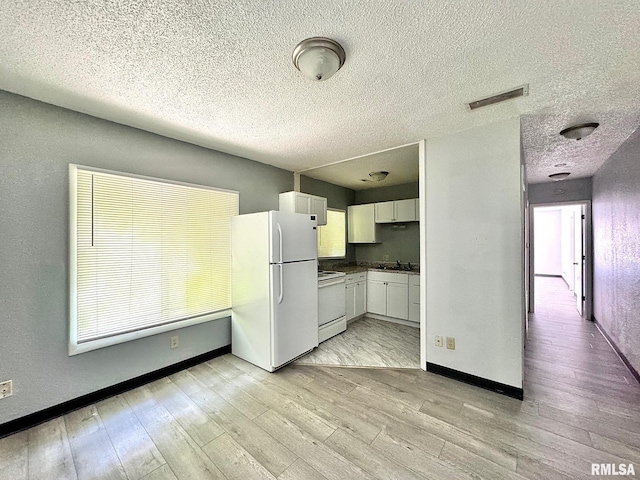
331	237
149	256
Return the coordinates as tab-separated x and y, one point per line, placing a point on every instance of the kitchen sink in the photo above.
395	268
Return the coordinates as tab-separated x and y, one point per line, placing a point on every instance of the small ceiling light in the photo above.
378	176
318	58
579	131
559	176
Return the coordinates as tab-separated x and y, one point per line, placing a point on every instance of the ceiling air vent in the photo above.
521	91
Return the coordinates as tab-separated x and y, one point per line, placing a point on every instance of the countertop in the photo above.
364	267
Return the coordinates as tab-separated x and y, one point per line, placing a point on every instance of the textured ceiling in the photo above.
219	73
401	163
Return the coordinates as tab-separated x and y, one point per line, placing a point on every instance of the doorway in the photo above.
561	252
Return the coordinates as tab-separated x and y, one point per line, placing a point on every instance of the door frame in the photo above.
587	313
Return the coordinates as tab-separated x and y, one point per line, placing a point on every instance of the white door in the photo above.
579	257
361	298
398	300
303	203
319	207
384	212
294	310
376	297
293	237
405	210
350	300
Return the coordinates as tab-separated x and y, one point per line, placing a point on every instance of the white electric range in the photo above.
331	304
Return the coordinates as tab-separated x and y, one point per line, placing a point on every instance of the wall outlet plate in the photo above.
438	341
6	389
385	258
451	343
175	341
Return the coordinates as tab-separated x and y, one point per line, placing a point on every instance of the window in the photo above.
331	237
146	256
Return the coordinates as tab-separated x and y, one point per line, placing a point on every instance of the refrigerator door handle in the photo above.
281	296
280	242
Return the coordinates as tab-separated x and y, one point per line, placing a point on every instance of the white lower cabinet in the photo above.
388	294
356	295
414	298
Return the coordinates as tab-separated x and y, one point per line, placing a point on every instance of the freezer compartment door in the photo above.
293	237
295	310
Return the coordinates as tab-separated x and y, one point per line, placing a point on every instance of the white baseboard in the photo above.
400	321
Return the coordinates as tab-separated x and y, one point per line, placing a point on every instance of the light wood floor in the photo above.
228	419
368	342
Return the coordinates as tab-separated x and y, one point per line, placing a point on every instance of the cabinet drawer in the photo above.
356	277
388	277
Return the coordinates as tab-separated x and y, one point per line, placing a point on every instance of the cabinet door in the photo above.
361	298
376	297
319	208
361	224
384	212
414	298
350	300
405	210
303	203
398	300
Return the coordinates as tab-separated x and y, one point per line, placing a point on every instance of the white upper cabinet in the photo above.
362	226
298	202
396	211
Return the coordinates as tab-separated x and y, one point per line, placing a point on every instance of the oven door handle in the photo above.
328	283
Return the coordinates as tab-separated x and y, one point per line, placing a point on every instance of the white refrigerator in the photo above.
274	287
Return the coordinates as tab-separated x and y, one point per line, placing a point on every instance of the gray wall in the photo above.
564	191
616	228
399	242
337	197
38	142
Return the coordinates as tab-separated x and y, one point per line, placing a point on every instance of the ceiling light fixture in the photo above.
579	131
318	58
378	176
559	176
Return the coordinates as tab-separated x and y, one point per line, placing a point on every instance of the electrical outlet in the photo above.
175	341
385	258
6	389
438	341
451	343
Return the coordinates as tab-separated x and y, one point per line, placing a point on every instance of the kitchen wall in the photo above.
399	241
616	230
564	191
38	143
475	249
337	197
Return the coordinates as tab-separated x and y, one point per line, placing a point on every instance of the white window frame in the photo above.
77	348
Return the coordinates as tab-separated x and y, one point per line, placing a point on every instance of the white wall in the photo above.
474	251
547	241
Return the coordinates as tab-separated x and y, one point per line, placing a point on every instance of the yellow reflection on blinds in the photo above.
149	253
331	237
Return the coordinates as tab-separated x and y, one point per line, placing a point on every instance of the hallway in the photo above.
576	377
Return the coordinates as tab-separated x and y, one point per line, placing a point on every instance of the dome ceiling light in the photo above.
579	131
559	176
376	176
318	58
